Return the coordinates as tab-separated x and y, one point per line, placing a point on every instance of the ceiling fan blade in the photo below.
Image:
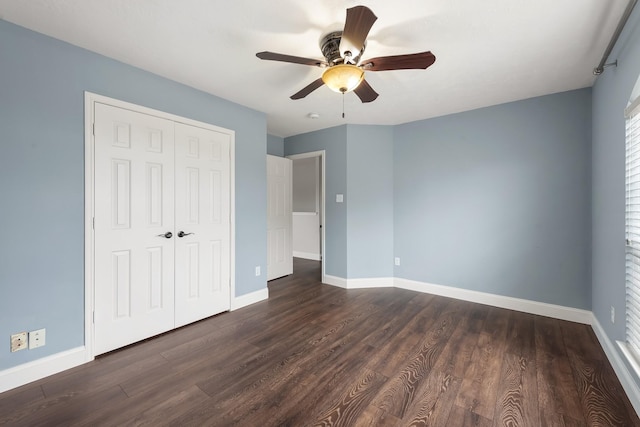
272	56
365	92
359	21
411	61
308	89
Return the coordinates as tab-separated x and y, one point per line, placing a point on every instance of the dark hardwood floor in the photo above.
315	354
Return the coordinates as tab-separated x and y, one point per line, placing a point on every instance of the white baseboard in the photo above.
624	376
41	368
374	282
335	281
248	299
510	303
307	255
518	304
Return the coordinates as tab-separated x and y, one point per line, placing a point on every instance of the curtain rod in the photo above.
600	68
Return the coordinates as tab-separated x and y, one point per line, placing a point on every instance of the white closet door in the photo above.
134	211
202	285
279	217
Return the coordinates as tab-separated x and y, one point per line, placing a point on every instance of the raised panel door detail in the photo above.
215	197
122	283
154	194
279	218
155	141
154	257
192	194
216	266
279	170
217	148
202	208
192	271
134	207
121	193
122	135
280	189
193	147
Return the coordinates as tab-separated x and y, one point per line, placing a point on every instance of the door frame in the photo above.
89	239
323	156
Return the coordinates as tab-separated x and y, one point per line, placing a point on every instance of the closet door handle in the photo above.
182	234
166	235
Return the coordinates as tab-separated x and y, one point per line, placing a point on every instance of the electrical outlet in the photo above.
396	261
37	338
613	314
18	341
257	270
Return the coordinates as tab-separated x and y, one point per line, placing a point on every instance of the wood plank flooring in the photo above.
317	355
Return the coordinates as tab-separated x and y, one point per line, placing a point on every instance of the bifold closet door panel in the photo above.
203	222
134	227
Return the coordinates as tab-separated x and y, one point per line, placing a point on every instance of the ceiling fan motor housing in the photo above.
330	47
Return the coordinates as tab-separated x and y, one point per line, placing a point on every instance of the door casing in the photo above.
323	160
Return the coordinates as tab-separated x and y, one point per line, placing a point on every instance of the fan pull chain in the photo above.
343	105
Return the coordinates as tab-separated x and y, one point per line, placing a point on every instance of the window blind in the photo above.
632	227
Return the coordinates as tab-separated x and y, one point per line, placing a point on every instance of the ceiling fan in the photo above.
344	71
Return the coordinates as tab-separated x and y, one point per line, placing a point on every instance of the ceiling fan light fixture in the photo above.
343	78
342	51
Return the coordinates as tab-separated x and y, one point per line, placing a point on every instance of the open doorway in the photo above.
308	202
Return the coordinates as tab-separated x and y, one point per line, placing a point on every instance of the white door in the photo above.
134	212
202	223
279	218
162	234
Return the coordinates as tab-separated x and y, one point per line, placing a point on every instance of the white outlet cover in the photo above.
258	271
37	338
18	341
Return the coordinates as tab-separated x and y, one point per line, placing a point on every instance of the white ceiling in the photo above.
488	52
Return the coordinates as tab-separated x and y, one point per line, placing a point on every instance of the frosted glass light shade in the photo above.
343	78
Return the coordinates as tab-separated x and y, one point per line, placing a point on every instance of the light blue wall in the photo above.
42	84
610	96
370	208
275	145
334	142
498	199
359	165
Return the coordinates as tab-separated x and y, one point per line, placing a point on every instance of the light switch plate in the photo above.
339	198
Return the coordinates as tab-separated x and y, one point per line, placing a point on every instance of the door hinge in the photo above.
93	129
93	315
93	220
